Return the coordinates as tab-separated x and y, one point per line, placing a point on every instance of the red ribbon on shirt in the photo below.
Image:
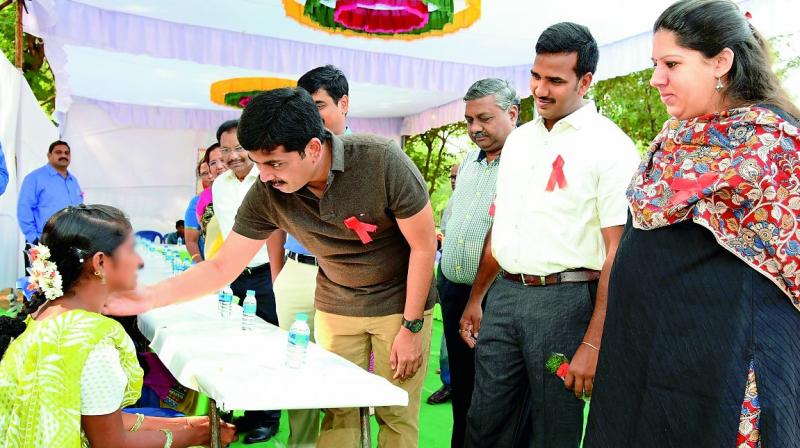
557	175
686	188
362	229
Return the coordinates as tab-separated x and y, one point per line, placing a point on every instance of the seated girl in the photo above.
68	370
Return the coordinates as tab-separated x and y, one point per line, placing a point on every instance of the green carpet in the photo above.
436	422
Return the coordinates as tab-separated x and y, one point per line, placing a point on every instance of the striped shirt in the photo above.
469	219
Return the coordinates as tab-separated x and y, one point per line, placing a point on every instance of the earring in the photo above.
719	85
102	277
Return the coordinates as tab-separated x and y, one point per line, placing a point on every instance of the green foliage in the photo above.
631	103
527	107
34	66
434	158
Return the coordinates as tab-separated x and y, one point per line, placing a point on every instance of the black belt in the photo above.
255	270
579	276
305	259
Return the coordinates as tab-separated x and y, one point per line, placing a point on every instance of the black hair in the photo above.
281	117
709	26
326	77
179	223
74	235
227	126
56	143
568	37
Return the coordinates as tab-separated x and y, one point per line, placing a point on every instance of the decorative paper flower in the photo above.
44	275
385	19
558	365
237	92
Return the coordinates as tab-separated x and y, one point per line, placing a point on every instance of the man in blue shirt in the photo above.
3	171
47	190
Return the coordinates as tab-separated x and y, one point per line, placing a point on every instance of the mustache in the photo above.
479	134
546	98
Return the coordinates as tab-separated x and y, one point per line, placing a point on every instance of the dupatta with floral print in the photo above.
736	173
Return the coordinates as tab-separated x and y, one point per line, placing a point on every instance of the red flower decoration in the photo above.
563	370
245	101
382	16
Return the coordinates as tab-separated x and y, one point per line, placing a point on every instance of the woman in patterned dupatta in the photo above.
700	346
68	370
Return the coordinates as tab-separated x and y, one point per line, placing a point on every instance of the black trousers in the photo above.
521	327
453	298
261	283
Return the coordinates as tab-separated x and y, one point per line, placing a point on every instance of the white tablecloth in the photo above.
245	370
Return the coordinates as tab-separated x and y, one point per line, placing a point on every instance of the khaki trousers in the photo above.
354	338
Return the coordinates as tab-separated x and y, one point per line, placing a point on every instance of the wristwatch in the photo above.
414	326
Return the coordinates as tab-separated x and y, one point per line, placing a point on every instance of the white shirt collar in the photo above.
577	119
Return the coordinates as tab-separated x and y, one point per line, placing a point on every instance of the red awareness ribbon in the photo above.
362	229
686	188
557	175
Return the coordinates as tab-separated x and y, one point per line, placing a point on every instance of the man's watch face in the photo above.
414	325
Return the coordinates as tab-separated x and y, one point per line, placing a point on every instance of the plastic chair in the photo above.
151	235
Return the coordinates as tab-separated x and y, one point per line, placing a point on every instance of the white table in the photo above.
245	370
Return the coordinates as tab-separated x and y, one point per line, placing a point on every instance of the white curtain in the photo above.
147	173
25	133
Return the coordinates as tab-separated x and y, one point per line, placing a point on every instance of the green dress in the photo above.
40	376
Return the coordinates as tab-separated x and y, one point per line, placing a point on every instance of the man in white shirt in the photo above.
229	189
559	213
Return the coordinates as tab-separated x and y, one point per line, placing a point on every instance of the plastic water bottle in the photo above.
180	241
299	338
225	301
249	311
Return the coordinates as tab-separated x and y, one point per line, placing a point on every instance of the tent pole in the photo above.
18	42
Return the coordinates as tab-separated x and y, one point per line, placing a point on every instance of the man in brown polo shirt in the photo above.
360	205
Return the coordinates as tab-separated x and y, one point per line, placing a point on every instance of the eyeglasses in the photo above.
225	151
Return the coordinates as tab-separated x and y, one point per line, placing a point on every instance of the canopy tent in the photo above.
133	77
23	126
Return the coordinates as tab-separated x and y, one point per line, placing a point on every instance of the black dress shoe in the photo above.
261	433
440	396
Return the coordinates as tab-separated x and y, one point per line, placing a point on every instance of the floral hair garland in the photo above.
44	275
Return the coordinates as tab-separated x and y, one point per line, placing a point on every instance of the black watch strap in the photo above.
414	326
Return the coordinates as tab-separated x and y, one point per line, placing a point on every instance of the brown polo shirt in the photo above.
370	179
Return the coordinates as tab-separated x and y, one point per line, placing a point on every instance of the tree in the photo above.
631	103
35	68
429	151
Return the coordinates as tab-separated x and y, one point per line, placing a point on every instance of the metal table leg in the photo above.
213	415
366	437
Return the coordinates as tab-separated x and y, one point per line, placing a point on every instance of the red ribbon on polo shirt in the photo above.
557	175
686	188
362	229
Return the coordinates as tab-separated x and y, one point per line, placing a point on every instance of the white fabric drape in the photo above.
25	133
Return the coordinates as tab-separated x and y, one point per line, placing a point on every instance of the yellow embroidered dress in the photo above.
41	377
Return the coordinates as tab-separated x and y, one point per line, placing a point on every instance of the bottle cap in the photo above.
301	317
250	292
